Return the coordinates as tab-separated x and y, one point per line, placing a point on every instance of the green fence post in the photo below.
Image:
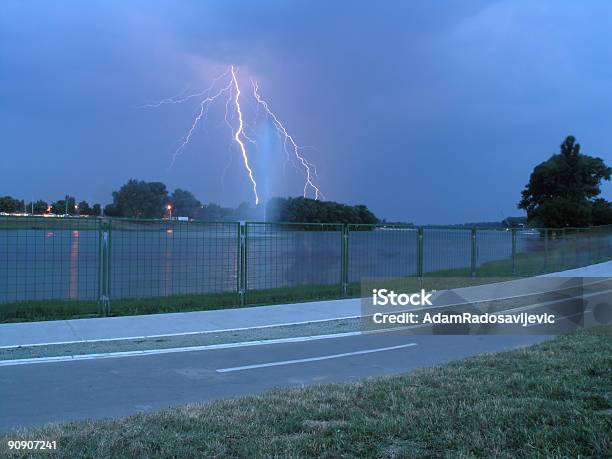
108	267
239	262
344	239
473	261
104	267
513	251
242	262
100	262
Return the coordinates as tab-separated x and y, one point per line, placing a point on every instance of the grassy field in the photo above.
550	400
526	264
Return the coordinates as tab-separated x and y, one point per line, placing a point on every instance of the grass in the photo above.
26	311
549	400
526	264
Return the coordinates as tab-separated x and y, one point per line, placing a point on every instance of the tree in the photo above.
314	211
185	204
11	205
83	208
111	211
602	212
561	190
64	206
139	199
39	207
365	215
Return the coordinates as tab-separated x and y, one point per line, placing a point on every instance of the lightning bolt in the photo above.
179	100
240	131
204	105
239	134
288	138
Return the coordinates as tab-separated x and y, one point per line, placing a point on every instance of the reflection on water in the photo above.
168	267
73	289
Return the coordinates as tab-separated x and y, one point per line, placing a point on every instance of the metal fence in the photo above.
108	260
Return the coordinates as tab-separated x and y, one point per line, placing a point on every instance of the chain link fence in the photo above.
86	266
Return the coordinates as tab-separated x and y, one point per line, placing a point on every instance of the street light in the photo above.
169	207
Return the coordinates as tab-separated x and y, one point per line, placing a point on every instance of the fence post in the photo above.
100	258
108	268
344	239
474	255
513	251
242	262
104	267
238	262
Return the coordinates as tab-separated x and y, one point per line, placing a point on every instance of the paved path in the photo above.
35	393
57	392
262	316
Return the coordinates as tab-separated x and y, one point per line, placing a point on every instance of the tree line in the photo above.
140	199
152	200
313	211
66	206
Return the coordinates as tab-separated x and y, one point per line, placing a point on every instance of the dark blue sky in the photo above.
426	111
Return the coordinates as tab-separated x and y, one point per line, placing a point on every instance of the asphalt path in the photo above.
63	391
39	393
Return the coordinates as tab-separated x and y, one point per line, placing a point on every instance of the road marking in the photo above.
313	359
173	350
